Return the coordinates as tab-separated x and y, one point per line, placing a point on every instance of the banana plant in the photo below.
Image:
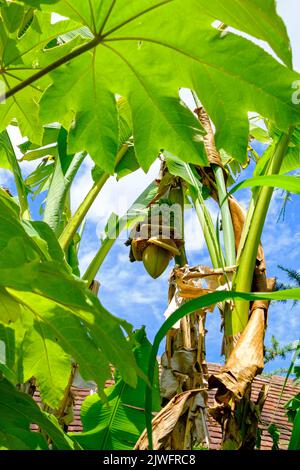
96	80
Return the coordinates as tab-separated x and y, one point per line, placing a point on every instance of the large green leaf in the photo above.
289	183
66	168
66	316
21	55
118	424
294	443
259	19
9	161
45	359
141	50
31	351
95	113
17	412
193	306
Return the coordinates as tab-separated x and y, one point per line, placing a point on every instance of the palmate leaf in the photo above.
158	121
259	19
133	41
193	306
17	412
156	114
94	109
67	317
20	56
118	424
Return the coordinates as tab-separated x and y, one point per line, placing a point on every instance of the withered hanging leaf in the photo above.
167	426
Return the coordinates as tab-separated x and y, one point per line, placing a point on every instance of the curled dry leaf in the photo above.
169	425
201	280
183	364
244	363
237	436
247	357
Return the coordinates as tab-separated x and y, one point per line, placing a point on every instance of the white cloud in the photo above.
6	178
116	196
194	238
16	139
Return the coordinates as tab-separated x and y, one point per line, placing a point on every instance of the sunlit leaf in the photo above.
119	425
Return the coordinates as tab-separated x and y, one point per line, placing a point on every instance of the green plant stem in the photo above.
182	260
59	190
229	238
228	232
56	64
77	219
81	212
20	186
236	321
206	223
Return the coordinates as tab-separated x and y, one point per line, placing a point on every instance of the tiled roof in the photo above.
273	411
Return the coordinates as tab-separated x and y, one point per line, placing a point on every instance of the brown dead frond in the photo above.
169	427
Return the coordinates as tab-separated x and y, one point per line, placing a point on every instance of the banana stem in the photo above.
216	165
238	319
181	259
210	237
227	226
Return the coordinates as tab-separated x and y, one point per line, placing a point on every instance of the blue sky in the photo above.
128	291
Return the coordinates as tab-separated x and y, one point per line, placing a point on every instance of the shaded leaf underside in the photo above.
66	319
